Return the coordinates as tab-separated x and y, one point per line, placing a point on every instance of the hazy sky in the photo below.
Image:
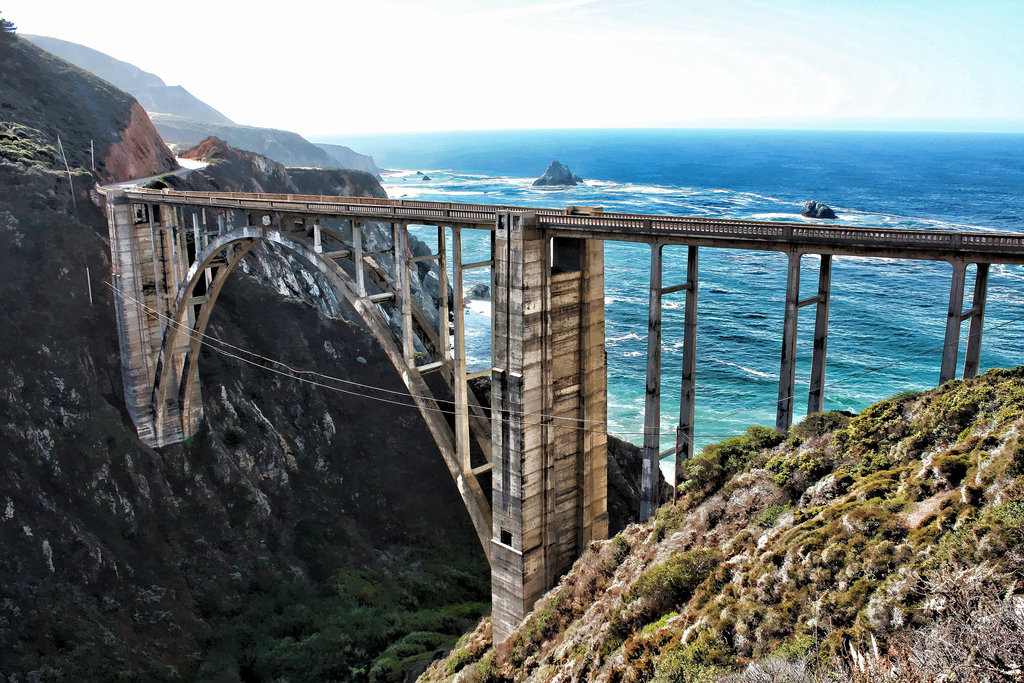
365	66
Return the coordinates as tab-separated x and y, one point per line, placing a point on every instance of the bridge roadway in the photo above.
546	455
579	222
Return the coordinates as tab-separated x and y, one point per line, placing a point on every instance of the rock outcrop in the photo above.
478	292
814	209
139	153
558	174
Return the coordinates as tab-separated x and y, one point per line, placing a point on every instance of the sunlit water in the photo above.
887	317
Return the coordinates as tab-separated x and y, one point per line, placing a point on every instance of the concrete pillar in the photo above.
357	249
403	300
973	358
442	295
548	403
649	493
460	388
816	397
684	432
953	319
787	370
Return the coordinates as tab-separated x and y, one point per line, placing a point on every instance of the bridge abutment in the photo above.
549	394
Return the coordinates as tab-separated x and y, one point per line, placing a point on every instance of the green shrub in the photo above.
769	516
718	462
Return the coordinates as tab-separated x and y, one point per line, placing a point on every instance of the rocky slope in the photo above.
301	534
348	158
887	546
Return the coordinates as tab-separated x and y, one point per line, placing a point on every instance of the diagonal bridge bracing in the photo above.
541	441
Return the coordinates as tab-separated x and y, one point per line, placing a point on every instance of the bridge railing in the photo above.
679	227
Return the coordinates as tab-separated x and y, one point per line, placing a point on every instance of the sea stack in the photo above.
817	210
558	174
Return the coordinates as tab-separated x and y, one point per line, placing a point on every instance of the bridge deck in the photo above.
940	245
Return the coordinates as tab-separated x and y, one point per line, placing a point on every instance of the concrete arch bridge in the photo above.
542	441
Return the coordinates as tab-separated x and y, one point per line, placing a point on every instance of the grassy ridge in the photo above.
884	545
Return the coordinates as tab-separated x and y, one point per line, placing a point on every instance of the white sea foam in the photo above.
749	371
479	307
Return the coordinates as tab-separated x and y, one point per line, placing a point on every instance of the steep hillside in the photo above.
302	533
883	546
50	95
149	89
348	158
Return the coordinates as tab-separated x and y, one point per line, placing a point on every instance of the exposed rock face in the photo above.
140	152
478	292
558	174
814	209
625	462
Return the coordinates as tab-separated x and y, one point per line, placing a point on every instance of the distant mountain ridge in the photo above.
149	89
183	120
285	147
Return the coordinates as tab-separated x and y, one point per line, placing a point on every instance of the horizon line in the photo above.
994	127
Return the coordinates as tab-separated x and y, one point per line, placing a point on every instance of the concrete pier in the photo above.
549	388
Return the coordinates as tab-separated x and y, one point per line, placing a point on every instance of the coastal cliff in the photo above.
283	529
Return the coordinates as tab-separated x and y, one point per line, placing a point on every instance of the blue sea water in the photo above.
887	317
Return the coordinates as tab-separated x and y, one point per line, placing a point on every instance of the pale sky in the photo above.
332	68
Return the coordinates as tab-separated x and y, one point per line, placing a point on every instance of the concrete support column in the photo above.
403	300
684	432
787	369
357	249
953	320
973	358
460	388
442	294
548	403
816	397
649	493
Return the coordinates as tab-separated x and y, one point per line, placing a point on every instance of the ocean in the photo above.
887	317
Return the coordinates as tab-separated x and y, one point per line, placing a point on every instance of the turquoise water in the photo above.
887	317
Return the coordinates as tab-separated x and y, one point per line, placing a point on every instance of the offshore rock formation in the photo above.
814	209
558	174
883	546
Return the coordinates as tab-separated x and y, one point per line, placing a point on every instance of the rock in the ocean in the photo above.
425	177
479	292
558	174
817	210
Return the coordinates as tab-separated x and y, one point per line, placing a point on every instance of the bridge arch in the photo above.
175	399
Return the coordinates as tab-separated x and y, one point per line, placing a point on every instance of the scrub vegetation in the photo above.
882	546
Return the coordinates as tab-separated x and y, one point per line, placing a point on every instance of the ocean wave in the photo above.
749	371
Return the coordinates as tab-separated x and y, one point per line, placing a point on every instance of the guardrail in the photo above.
485	215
